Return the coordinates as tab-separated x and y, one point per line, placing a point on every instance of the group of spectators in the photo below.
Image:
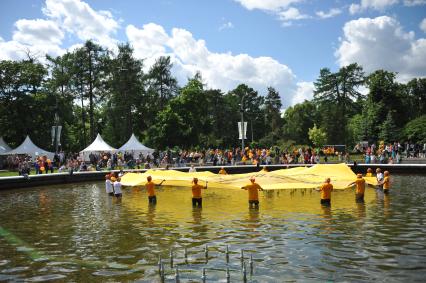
391	153
73	162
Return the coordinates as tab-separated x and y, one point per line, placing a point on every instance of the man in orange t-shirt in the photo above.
150	188
360	188
385	182
326	190
253	189
196	193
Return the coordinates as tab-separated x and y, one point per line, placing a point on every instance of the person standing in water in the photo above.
117	187
385	183
360	188
379	177
326	190
108	185
253	194
222	171
197	200
150	188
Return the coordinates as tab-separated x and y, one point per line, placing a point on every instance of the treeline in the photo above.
91	90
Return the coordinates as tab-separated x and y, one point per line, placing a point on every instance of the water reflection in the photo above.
82	233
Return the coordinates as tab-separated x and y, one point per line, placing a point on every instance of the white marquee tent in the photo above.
28	147
136	147
98	145
4	147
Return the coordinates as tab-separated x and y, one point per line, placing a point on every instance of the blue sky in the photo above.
282	43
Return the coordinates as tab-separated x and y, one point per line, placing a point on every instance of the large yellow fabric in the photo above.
295	178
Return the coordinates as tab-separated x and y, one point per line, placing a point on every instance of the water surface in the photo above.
78	233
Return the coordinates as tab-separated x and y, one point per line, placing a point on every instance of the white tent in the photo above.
3	146
136	147
28	147
98	145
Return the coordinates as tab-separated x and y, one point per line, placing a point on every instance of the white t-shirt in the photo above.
108	186
117	188
192	169
379	176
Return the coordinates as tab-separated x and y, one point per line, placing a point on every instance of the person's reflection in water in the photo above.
253	218
326	212
386	205
44	202
360	210
199	228
150	216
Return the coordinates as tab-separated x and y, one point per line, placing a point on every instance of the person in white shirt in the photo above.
192	169
117	187
108	185
379	176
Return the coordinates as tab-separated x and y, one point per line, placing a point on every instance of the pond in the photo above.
78	233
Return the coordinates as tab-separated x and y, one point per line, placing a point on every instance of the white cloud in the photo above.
423	25
381	43
32	37
227	25
279	8
332	13
37	31
79	18
379	5
267	5
291	14
219	70
411	3
304	91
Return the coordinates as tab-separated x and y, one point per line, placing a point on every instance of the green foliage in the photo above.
336	94
388	129
95	91
415	130
317	136
297	120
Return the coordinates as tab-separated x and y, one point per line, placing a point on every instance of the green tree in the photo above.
415	130
317	136
297	120
252	105
388	129
273	121
337	92
20	81
416	97
383	97
123	111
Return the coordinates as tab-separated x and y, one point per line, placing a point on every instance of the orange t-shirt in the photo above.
386	183
150	188
222	172
253	189
326	189
360	185
196	190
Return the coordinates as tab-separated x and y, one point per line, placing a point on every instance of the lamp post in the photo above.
242	123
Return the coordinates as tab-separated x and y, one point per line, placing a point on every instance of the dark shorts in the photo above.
111	194
197	201
152	199
385	191
326	201
255	202
118	195
359	197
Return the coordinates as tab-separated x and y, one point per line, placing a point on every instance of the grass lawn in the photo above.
15	173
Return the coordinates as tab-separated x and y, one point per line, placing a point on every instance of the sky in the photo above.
278	43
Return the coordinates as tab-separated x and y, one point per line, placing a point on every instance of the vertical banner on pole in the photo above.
58	135
53	134
240	131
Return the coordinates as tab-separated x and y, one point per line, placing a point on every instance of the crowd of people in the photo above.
73	162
